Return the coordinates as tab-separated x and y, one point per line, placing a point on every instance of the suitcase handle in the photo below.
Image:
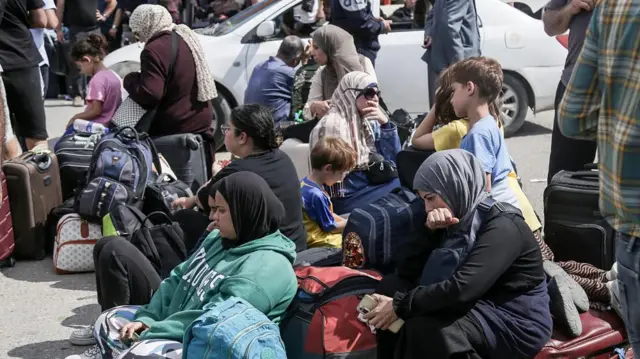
590	175
42	161
132	135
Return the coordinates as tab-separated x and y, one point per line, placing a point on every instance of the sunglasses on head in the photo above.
368	92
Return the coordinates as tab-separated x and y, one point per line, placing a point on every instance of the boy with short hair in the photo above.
477	82
331	159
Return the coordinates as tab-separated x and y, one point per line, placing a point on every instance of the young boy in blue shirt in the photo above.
477	82
331	160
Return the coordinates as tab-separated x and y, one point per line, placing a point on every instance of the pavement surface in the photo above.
39	309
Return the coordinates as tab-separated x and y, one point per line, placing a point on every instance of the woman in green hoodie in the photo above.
245	256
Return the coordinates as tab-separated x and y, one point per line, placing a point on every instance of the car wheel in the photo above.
514	104
221	116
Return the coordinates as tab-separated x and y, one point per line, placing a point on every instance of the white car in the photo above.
532	61
530	7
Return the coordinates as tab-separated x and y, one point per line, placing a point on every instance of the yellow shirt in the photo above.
450	135
316	237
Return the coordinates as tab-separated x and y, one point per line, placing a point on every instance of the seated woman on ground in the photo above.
443	130
493	303
250	135
230	262
335	51
354	116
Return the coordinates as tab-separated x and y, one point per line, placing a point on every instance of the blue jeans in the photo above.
628	258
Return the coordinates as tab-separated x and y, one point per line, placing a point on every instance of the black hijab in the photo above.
255	210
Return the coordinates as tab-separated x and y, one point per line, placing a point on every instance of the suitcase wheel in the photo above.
9	262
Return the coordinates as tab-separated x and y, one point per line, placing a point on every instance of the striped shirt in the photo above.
603	101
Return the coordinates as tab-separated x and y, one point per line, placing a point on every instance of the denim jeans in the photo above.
628	258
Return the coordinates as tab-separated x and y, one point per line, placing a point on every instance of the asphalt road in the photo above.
39	309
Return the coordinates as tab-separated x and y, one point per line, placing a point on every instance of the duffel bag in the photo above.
159	195
322	321
375	232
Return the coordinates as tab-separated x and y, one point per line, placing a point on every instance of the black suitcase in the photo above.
573	226
74	153
186	154
408	161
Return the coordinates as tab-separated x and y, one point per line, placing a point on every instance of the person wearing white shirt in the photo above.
39	39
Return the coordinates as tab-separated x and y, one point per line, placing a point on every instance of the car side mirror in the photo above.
266	29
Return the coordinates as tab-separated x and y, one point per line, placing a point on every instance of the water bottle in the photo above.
89	127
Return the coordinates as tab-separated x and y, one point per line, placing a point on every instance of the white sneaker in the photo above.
83	336
91	353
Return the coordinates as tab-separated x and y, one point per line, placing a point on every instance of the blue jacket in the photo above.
355	17
271	85
453	27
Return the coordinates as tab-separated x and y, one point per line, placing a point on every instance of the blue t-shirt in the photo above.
317	205
486	143
271	85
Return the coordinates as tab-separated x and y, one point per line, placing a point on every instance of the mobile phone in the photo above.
367	304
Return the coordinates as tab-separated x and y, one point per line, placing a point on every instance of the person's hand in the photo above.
126	333
70	123
576	6
211	227
387	25
320	108
383	315
183	203
113	32
427	42
100	17
60	35
441	218
373	112
306	54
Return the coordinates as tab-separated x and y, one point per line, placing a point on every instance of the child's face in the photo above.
86	66
331	177
462	97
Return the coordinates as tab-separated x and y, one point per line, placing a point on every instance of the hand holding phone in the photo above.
369	303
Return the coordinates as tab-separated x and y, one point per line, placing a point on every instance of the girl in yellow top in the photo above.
443	130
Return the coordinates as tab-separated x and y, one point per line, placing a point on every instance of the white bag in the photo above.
73	248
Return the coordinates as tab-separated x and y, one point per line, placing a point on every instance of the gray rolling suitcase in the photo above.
186	154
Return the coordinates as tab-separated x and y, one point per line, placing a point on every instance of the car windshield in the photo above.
238	19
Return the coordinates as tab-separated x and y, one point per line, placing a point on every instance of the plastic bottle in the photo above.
89	127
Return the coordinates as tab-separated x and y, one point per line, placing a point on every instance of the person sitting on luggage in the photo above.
331	159
250	136
355	116
104	93
271	81
185	106
245	256
335	51
442	130
490	303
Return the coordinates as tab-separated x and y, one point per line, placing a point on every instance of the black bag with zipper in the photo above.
160	194
574	229
162	243
123	221
74	152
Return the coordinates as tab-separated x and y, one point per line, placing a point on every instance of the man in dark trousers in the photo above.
19	59
451	33
355	17
81	17
558	17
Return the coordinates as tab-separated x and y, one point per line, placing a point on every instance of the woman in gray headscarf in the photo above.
335	51
493	303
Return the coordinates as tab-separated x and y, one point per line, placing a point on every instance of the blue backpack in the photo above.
233	329
121	167
445	260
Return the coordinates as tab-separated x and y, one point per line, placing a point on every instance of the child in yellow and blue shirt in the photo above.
331	159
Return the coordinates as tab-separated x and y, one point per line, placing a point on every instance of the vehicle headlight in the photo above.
125	68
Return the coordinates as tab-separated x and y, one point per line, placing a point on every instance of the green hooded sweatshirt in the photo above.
259	272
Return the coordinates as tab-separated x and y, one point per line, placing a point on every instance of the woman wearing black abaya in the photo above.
493	303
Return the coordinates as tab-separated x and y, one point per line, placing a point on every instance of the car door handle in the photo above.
236	64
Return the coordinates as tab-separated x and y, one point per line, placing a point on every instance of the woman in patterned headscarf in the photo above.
355	116
183	97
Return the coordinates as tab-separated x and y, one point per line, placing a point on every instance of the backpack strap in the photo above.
487	209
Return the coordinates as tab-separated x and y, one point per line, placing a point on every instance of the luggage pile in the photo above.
97	185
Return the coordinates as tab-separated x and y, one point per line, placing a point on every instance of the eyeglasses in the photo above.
224	128
368	92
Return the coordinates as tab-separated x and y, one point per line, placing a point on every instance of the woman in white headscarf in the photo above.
354	116
183	97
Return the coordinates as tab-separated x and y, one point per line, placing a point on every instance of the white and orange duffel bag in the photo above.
73	248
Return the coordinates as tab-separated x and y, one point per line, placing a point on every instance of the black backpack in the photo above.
162	243
160	194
